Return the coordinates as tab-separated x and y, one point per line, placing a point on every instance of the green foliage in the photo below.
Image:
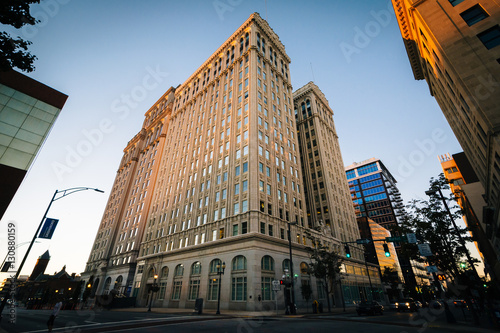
325	264
390	277
431	222
13	51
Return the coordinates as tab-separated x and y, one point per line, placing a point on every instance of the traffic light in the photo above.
386	250
347	251
463	265
282	282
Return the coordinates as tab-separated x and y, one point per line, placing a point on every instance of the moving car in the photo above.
406	304
369	307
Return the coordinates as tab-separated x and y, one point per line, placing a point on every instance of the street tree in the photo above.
432	224
390	277
325	266
14	51
306	291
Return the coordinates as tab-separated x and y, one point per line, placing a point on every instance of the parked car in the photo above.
392	306
406	304
436	304
369	307
459	303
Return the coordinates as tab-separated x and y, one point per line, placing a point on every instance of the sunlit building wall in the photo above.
213	177
455	46
469	191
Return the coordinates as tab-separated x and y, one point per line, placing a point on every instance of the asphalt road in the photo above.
428	320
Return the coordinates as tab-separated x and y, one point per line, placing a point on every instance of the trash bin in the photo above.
198	305
320	307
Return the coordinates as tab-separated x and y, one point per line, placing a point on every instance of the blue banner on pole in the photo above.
48	228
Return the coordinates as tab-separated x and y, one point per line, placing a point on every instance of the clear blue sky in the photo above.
97	52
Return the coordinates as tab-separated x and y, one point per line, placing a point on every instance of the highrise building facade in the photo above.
214	179
375	196
455	46
466	187
326	191
374	192
116	246
28	110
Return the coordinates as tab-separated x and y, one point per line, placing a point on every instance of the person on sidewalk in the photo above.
55	312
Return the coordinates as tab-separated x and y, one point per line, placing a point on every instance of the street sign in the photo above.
48	228
395	239
425	250
432	269
276	285
363	241
412	238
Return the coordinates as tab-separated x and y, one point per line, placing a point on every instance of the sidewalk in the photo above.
236	313
460	326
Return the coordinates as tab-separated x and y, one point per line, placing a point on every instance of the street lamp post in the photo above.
220	271
462	242
292	305
17	246
65	192
153	290
365	254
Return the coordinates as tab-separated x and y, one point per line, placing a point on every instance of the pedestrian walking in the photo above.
55	312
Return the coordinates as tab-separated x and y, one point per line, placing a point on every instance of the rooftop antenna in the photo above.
312	72
265	1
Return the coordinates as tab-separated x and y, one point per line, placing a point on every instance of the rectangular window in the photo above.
245	186
236	208
263	228
213	289
244	229
455	2
239	289
270	230
474	14
244	206
176	290
235	230
267	290
163	289
236	189
194	289
491	37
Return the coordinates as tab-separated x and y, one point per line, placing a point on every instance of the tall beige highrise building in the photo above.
455	46
328	197
214	177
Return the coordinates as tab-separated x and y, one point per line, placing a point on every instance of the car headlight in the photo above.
407	304
397	304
